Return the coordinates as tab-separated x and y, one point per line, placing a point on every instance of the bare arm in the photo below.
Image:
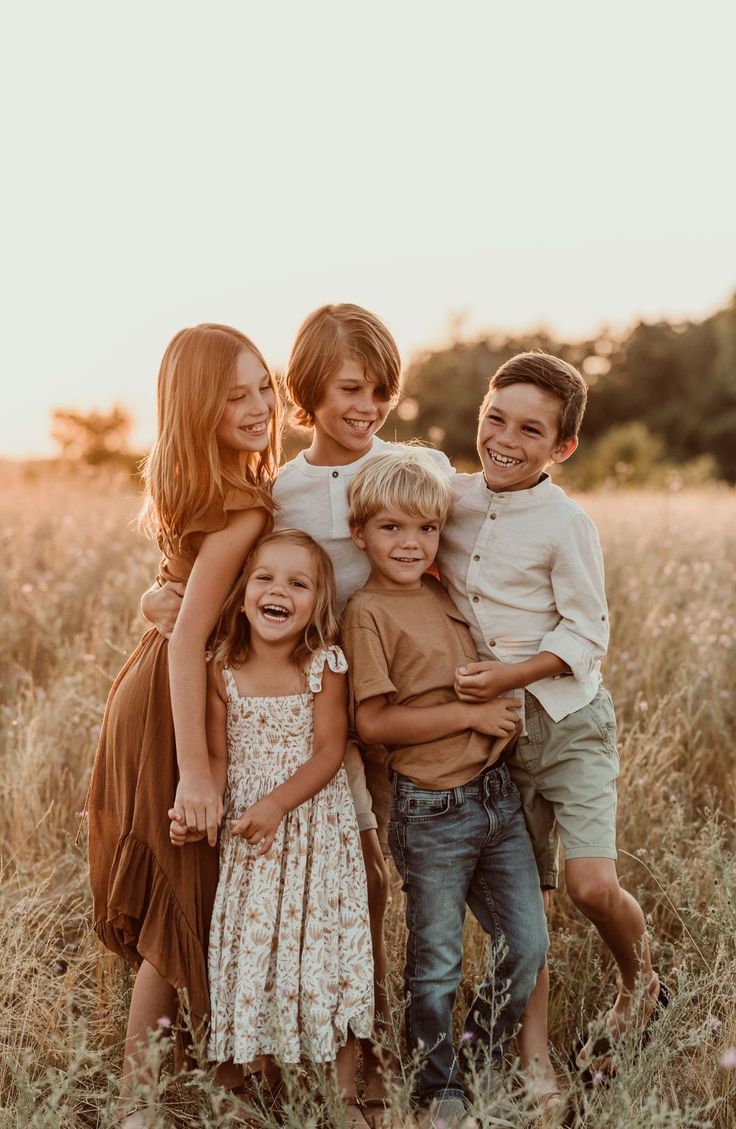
161	604
378	722
220	557
482	681
216	728
260	823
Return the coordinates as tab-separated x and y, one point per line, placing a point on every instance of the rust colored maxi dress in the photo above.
152	901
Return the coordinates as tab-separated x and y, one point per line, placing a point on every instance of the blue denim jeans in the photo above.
466	845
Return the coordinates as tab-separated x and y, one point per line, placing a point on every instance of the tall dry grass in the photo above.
72	573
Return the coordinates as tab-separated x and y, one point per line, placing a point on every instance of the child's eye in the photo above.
429	528
533	430
299	584
389	527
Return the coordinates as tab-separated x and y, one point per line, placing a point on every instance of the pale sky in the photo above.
167	163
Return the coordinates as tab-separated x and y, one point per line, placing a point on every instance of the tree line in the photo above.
661	406
662	397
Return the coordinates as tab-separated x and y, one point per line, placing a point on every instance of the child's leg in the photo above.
506	899
435	842
364	780
153	999
345	1075
532	1039
377	881
593	885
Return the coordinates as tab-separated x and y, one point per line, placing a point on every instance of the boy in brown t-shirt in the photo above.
456	831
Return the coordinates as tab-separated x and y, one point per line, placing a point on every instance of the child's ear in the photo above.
564	450
356	532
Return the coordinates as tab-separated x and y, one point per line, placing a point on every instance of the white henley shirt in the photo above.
315	499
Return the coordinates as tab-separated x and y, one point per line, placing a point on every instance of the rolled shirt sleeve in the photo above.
581	637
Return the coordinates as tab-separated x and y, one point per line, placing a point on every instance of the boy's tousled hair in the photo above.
184	473
551	374
408	480
325	340
231	642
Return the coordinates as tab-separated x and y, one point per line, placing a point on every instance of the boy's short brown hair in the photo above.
552	375
325	340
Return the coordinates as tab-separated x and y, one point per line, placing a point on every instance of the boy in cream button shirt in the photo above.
522	561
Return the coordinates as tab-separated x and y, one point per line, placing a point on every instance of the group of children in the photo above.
351	699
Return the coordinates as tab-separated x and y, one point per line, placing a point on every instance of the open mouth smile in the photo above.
255	428
502	460
360	425
275	613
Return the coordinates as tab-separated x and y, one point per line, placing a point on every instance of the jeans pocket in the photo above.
417	806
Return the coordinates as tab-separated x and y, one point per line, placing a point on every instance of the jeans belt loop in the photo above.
458	796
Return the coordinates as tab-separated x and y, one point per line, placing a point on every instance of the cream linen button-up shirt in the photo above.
525	569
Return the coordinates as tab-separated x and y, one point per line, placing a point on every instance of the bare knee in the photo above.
595	895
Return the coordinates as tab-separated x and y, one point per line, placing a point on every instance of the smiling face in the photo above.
352	409
250	403
400	547
518	436
280	593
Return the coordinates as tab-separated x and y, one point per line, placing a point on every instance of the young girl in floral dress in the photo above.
290	961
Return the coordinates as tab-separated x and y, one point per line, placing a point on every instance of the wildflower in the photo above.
642	706
729	1058
58	967
163	1022
598	1078
713	1024
642	852
466	1036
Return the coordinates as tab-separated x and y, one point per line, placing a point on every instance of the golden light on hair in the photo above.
184	472
409	481
330	336
231	642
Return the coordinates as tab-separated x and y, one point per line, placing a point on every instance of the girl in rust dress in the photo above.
208	501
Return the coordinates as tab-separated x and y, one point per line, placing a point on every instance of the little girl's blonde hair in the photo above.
232	641
326	339
184	472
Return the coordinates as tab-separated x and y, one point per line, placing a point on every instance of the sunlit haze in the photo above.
169	163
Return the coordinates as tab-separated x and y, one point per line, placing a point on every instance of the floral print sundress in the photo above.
290	959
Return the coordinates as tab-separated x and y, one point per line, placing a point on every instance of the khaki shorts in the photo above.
566	774
370	786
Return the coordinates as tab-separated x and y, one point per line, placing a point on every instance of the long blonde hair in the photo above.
232	639
184	472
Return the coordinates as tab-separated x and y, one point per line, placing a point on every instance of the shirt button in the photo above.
334	474
476	557
491	642
493	517
475	599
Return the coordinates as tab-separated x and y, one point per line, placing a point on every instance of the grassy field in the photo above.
72	573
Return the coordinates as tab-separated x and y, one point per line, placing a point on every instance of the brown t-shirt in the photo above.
407	644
